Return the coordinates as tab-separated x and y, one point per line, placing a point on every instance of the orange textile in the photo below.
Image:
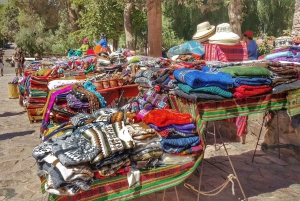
166	117
97	49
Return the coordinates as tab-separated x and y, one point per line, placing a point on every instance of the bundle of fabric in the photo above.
283	73
65	162
148	150
179	135
38	92
249	80
287	53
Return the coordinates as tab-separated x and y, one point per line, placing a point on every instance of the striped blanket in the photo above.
230	108
226	53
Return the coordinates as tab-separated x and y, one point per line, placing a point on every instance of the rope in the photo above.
216	190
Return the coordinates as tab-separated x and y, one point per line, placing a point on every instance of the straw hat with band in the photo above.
224	33
204	30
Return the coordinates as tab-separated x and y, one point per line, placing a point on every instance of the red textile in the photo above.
166	117
241	124
226	53
244	91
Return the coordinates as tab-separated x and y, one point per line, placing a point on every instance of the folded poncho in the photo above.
251	81
204	78
211	90
246	91
246	71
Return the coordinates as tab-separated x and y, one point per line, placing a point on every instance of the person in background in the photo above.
251	45
102	42
1	65
36	57
85	46
19	59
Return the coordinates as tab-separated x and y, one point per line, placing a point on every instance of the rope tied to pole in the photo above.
217	190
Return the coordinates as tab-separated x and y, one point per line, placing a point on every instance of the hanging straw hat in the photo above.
204	31
224	35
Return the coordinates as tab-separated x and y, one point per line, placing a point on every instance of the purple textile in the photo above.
186	128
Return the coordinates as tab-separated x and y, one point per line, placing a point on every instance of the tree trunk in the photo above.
235	9
296	21
72	17
128	26
154	15
115	45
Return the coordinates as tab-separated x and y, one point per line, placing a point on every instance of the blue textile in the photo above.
102	42
204	78
192	46
279	54
179	144
251	81
88	85
252	50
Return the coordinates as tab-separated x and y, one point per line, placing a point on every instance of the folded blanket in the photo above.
180	144
251	81
166	117
246	91
285	80
204	78
286	87
195	97
211	90
246	71
279	54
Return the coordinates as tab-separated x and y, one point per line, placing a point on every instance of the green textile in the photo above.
211	90
247	71
135	59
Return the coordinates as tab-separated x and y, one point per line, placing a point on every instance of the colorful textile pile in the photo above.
37	92
177	130
249	80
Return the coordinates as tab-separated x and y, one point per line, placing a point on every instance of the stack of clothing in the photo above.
249	80
204	84
288	54
38	92
178	131
282	73
64	160
148	149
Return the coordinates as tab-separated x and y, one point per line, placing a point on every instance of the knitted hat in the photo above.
85	40
165	117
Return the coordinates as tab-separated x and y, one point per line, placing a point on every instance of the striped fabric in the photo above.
116	188
293	99
226	53
230	108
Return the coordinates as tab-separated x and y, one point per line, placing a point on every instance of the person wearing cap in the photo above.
251	45
85	46
102	42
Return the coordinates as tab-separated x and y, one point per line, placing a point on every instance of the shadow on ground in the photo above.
7	136
9	114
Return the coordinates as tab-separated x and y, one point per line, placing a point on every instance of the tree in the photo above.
235	8
296	20
128	25
154	14
9	21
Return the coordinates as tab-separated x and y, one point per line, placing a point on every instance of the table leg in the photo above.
258	138
278	133
231	164
200	179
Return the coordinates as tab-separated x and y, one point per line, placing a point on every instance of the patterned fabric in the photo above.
71	150
225	53
204	78
192	46
293	99
73	102
179	144
81	119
